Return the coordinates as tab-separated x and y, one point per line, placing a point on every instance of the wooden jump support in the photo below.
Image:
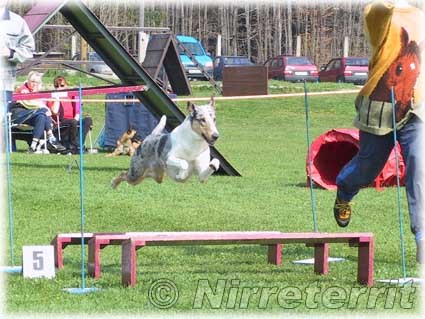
132	241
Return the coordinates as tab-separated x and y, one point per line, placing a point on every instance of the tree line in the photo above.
260	29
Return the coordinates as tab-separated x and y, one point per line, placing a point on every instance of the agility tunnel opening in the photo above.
331	158
332	150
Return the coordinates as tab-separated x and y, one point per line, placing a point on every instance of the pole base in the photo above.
11	269
402	281
80	291
311	261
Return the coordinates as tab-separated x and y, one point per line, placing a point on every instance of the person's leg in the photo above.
360	171
412	145
74	133
365	166
52	143
68	133
87	125
37	120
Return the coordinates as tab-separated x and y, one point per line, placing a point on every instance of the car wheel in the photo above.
340	79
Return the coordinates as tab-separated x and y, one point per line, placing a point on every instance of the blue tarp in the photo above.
119	117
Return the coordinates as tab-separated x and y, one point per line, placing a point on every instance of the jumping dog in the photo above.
179	154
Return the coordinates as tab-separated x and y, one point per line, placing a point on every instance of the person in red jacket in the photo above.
67	117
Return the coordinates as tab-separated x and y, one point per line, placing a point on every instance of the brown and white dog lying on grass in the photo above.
178	154
127	144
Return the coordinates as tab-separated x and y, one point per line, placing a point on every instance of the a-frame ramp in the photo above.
162	52
41	13
123	64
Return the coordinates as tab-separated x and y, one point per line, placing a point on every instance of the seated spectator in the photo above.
37	114
68	114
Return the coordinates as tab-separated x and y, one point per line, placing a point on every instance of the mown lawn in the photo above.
265	140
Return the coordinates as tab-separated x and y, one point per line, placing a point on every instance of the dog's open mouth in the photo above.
210	142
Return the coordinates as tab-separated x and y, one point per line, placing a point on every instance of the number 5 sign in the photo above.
38	261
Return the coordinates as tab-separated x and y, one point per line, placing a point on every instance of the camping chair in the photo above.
20	131
58	127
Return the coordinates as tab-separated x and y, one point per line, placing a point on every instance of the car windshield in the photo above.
299	60
237	61
194	48
357	62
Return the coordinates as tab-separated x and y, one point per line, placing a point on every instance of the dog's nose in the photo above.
215	136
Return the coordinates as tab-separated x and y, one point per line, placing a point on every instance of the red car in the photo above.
349	69
292	68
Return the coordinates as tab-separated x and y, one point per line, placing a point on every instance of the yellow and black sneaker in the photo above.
342	212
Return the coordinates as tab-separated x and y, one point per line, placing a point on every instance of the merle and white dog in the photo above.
178	154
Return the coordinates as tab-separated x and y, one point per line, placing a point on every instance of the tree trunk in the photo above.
248	30
289	29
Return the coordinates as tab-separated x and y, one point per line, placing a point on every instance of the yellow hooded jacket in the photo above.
383	26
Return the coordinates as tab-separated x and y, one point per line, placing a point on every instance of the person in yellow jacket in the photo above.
396	32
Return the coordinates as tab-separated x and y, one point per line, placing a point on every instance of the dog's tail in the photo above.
161	125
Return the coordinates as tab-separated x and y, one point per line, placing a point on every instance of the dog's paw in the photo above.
184	165
182	175
215	164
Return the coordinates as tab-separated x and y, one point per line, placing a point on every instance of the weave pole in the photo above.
400	210
311	182
82	289
405	279
12	268
307	124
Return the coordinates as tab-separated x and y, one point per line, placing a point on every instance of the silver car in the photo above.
99	66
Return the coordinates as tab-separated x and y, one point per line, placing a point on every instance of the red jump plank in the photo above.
62	240
131	241
365	262
98	242
363	240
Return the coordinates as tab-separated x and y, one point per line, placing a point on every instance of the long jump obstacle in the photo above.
132	241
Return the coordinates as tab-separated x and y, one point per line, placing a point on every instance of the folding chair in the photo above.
58	127
21	131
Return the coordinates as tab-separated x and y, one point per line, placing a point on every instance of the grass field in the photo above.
265	140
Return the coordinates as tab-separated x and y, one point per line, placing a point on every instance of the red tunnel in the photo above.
332	150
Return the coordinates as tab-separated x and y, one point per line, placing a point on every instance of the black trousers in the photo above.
69	131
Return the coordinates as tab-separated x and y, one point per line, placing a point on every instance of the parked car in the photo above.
221	62
99	66
348	69
292	68
197	50
102	68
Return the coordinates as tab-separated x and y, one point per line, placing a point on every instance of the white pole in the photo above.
218	51
346	46
9	115
59	126
73	46
298	45
143	45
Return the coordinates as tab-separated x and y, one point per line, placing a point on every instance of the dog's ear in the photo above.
191	108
